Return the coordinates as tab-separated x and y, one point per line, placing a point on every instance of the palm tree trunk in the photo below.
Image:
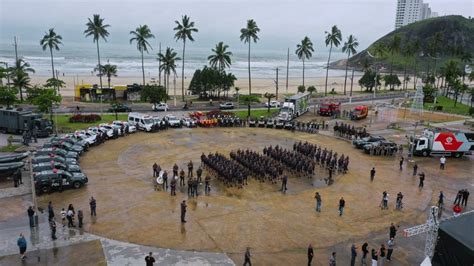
250	78
182	71
303	72
108	81
414	75
52	66
347	67
98	59
143	70
327	73
405	82
391	71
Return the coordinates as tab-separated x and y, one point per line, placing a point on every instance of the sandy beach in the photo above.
258	85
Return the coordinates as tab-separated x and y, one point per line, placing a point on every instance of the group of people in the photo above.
29	135
193	182
384	149
295	161
347	131
226	170
311	127
262	167
323	157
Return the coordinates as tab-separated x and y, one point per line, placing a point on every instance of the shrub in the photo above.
79	118
244	99
471	111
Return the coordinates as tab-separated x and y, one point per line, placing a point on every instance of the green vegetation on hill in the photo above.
447	37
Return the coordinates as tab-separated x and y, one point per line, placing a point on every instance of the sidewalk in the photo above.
116	252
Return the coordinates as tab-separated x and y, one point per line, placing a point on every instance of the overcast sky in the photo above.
282	23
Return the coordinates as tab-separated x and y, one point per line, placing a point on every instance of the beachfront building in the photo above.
409	11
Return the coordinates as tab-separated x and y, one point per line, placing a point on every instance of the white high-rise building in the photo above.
409	11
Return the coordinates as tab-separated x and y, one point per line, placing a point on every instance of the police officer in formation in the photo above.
228	171
348	131
262	167
325	158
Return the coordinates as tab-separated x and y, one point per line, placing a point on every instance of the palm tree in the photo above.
437	39
333	38
247	35
168	64
140	35
108	70
394	48
350	48
184	31
269	96
54	83
407	52
51	40
304	50
20	77
97	29
221	57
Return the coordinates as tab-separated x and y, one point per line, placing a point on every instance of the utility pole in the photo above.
159	66
174	85
16	62
276	83
287	68
352	82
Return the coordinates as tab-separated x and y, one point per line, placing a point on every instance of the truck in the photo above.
443	143
359	112
329	108
17	121
294	106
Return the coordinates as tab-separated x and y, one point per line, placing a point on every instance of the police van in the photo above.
141	121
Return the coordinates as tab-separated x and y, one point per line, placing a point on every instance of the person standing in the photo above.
382	254
207	187
465	196
353	254
365	251
372	174
149	260
155	166
375	257
401	162
442	162
318	202
183	211
310	254
69	216
63	217
342	204
93	205
50	211
21	243
80	217
332	259
247	257
422	180
392	231
390	244
31	214
284	181
459	196
440	199
52	224
190	168
173	187
457	210
415	169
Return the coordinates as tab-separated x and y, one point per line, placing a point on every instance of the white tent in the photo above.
426	262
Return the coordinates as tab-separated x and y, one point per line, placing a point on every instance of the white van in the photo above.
141	121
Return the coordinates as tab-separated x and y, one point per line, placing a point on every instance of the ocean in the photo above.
81	58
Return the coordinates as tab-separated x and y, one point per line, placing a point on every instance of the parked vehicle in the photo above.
160	107
227	105
294	106
82	135
329	109
270	123
189	122
360	143
52	158
273	104
72	168
119	108
10	167
131	128
388	145
172	121
252	122
280	123
261	122
141	121
289	125
48	180
17	121
447	143
359	112
57	151
64	145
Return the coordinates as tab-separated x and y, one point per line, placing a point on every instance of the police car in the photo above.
57	151
55	158
72	168
55	179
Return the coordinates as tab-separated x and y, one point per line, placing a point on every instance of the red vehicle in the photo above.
329	108
359	112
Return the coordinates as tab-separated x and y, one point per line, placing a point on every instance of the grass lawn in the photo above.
256	113
9	148
64	125
448	106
